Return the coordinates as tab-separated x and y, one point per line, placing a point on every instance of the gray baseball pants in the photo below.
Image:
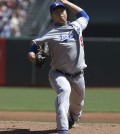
70	96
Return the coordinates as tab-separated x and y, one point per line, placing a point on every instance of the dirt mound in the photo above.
44	123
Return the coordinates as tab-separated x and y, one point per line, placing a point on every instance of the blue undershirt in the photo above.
82	14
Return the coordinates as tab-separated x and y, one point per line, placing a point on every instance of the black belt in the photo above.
70	75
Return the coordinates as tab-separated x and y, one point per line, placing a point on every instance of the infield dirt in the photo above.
44	123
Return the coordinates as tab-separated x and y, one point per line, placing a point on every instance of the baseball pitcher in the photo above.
66	49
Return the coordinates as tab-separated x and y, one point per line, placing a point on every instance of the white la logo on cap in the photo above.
56	4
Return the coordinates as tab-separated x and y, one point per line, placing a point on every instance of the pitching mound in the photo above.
25	123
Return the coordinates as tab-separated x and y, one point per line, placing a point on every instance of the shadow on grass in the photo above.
27	131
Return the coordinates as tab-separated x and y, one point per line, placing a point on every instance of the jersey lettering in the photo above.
81	41
66	37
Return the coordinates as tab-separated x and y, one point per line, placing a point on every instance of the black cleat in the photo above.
71	121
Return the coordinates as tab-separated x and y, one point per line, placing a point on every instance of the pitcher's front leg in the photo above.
62	107
62	87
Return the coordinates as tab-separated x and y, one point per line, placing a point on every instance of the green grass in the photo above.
26	99
102	100
42	99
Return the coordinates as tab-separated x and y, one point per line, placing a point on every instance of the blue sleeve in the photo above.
33	48
82	14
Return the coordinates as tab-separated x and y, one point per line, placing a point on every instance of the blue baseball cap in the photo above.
56	4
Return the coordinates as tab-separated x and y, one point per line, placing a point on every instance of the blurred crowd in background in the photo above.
13	14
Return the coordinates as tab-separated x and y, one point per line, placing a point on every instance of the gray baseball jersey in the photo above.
66	46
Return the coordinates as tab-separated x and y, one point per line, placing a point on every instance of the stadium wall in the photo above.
102	58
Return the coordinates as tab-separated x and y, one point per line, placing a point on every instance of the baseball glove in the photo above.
42	53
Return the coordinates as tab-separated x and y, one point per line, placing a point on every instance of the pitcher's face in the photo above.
59	15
